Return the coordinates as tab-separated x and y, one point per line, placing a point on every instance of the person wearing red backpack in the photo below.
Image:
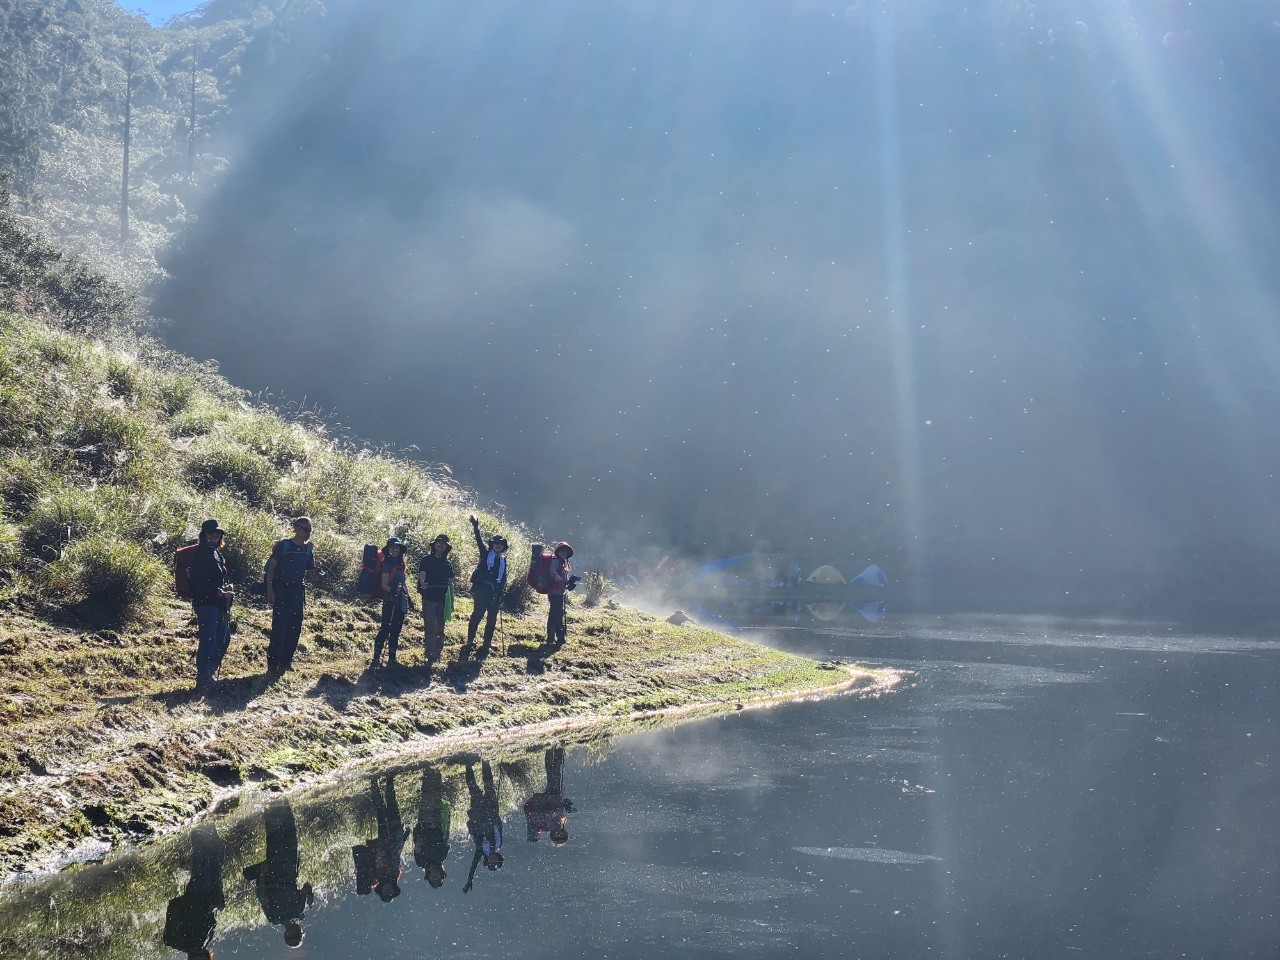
212	601
393	586
560	579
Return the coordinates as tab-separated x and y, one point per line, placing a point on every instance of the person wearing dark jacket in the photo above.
562	579
395	601
291	560
275	879
435	580
431	833
212	601
190	918
488	581
484	822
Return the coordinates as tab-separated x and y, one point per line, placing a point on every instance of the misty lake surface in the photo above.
1042	789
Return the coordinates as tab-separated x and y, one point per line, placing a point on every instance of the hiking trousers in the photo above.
389	632
433	628
556	628
486	608
286	625
215	636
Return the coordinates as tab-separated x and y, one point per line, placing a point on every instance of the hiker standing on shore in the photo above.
488	581
395	601
561	579
435	580
212	600
287	594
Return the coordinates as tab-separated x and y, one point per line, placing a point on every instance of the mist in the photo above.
984	295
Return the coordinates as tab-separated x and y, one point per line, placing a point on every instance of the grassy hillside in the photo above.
110	456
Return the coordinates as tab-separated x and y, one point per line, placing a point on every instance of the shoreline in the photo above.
124	771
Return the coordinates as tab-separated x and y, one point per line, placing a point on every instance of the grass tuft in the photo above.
220	467
111	582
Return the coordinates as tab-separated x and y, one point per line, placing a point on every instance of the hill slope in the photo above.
109	458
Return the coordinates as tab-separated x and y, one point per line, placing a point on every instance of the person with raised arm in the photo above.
488	581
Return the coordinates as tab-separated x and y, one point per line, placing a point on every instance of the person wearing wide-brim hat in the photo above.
435	580
488	581
211	596
394	589
562	580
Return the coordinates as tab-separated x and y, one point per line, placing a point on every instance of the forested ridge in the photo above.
111	130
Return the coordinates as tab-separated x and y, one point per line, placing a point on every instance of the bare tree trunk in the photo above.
128	134
191	124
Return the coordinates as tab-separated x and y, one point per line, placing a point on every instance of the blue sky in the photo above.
159	11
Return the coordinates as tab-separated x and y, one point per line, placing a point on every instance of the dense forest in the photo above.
111	129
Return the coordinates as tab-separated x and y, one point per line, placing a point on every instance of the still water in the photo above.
1043	789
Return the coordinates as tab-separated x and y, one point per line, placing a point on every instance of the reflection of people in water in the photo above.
276	878
484	822
378	860
191	917
548	812
431	833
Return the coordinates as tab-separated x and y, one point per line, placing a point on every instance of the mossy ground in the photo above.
105	739
110	456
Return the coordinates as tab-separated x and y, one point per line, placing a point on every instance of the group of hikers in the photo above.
191	917
204	580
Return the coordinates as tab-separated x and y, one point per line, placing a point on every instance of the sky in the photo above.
160	12
983	294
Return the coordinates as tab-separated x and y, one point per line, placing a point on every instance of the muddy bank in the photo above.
106	743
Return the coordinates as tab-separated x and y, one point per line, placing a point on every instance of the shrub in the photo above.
125	379
596	584
327	489
251	535
108	442
339	558
23	480
112	582
518	595
196	420
10	546
267	435
220	467
64	515
176	393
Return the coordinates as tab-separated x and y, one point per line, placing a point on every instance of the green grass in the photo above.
109	460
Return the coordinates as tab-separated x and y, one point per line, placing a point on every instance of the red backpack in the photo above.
182	561
540	569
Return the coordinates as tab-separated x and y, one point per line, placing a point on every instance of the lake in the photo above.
1039	788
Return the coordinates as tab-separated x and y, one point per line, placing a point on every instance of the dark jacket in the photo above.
208	574
439	574
485	577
